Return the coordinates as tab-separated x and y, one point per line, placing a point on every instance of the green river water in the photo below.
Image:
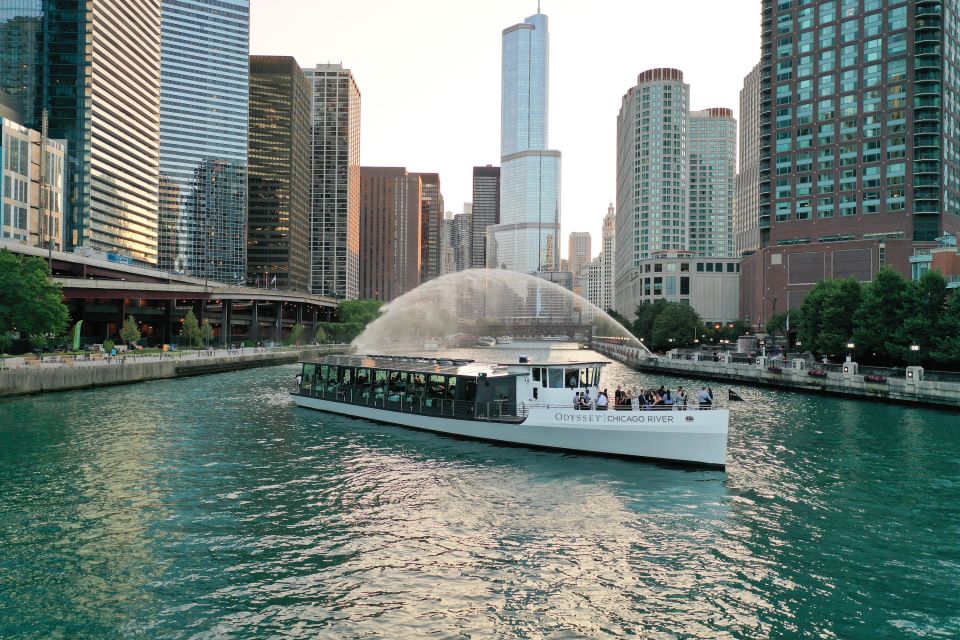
212	508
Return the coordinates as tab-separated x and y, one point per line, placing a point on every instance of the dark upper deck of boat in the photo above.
443	366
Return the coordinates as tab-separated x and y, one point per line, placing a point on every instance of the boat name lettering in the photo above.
610	417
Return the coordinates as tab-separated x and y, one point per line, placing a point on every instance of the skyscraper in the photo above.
390	200
431	227
527	237
335	189
278	228
608	261
486	211
652	178
204	109
712	146
579	254
95	68
859	143
746	221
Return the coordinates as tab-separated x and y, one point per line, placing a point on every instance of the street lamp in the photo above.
850	348
914	353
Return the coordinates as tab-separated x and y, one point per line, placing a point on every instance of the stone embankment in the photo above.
847	379
20	377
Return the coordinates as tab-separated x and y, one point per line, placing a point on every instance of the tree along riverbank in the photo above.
848	382
70	375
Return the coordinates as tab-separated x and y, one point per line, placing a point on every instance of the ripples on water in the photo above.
210	507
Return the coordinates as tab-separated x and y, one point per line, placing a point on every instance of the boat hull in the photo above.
687	437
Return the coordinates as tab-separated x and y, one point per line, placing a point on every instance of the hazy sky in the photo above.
429	76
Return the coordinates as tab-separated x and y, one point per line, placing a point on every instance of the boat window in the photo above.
596	376
556	378
380	379
436	386
536	374
585	377
469	389
417	384
323	372
572	377
396	382
346	378
452	387
363	377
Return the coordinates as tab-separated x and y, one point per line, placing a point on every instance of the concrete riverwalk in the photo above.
21	377
911	385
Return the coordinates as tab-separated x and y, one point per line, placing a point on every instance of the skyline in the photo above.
459	128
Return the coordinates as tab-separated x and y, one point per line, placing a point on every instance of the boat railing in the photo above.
396	400
690	406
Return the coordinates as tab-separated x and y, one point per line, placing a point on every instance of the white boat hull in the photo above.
689	437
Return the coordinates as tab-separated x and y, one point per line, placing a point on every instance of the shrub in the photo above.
817	373
876	379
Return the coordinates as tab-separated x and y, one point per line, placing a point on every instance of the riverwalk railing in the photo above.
50	361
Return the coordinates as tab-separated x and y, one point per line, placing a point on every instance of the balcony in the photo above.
926	207
926	114
926	194
926	88
920	142
926	167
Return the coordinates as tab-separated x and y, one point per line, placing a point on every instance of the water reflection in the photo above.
211	507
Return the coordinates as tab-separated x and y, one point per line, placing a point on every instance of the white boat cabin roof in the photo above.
445	366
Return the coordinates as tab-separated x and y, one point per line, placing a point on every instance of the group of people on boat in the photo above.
651	399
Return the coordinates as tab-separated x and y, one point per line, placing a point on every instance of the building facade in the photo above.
390	258
335	184
85	64
712	147
31	188
278	215
746	211
528	235
431	227
486	211
859	143
462	240
579	250
204	110
652	178
709	285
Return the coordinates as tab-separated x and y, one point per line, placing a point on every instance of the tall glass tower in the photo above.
204	110
527	237
94	67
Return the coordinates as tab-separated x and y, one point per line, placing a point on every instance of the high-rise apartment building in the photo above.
746	218
278	217
859	143
204	109
335	188
390	200
462	239
527	237
486	211
94	67
712	147
652	179
431	227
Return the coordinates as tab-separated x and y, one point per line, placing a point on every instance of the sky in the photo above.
429	77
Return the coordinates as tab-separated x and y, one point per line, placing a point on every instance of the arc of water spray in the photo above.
432	309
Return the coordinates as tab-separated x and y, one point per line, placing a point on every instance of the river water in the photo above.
210	507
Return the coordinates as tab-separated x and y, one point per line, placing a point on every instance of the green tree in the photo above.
647	314
776	324
296	333
354	316
191	329
321	335
675	326
926	302
946	346
129	332
206	332
29	301
827	317
880	316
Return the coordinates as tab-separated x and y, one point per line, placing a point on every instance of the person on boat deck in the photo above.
681	402
299	380
577	400
703	398
634	400
602	401
585	401
572	381
618	396
667	399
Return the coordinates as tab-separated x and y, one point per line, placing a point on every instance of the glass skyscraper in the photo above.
527	237
94	66
712	146
204	110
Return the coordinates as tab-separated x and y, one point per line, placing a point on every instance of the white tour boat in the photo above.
486	341
504	340
525	403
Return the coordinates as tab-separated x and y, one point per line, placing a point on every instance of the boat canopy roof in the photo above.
445	366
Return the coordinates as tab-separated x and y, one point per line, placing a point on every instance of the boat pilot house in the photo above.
457	388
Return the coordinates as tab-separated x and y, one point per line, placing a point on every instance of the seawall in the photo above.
44	378
912	390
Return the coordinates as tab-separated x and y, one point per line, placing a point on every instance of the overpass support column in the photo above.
226	307
254	320
279	314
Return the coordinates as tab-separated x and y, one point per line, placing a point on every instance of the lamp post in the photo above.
850	348
914	354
